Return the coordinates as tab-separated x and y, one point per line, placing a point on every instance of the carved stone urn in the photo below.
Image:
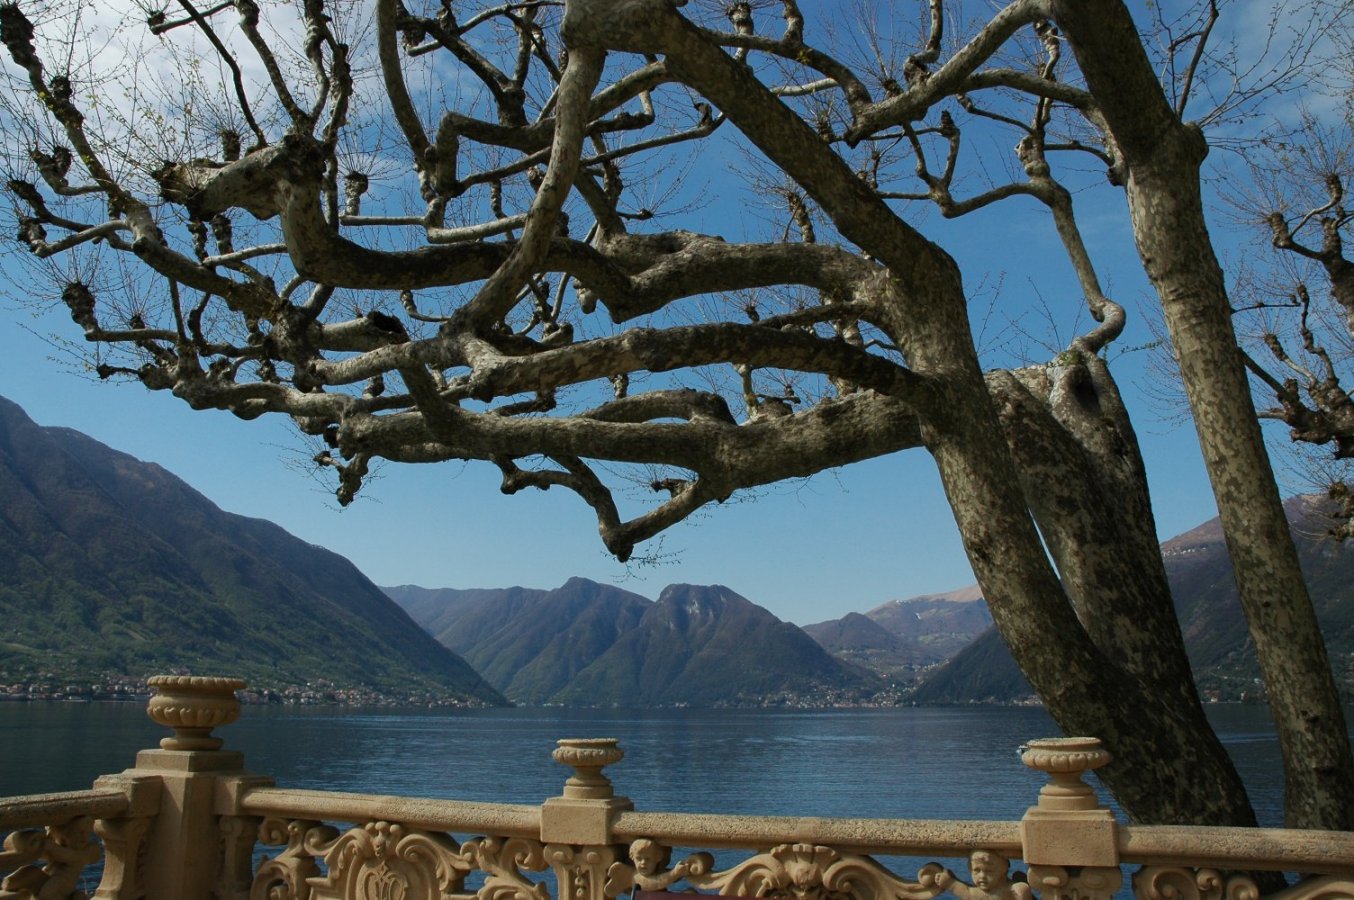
587	757
193	705
1064	760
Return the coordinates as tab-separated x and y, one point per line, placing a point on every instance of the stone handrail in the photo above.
52	838
887	837
1279	849
57	809
187	824
462	817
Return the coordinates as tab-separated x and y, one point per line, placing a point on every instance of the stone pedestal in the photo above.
582	816
1069	827
576	827
184	845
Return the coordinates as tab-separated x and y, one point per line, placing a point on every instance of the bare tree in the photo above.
438	235
1296	307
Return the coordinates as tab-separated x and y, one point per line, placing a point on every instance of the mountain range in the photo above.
902	638
1209	607
586	643
113	565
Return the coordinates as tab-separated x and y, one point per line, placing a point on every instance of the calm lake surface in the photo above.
958	762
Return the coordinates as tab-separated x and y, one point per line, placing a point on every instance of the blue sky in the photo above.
843	541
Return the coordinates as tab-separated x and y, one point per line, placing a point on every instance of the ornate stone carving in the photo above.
239	834
393	861
389	861
124	842
503	860
648	869
581	873
990	872
1085	883
1171	883
65	849
284	877
811	872
193	705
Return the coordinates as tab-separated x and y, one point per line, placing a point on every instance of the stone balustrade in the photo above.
189	823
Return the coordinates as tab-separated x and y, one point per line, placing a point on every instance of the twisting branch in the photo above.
249	24
919	63
495	298
913	103
226	57
387	23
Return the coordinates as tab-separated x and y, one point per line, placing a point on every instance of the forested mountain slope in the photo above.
587	644
110	565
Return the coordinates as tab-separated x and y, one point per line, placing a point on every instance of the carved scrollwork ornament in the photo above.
284	877
1176	883
21	848
389	861
48	863
813	872
503	860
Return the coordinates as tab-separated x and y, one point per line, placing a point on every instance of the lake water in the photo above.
950	762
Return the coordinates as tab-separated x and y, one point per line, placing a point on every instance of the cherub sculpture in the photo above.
650	858
991	880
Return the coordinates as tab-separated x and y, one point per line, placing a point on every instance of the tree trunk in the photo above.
1161	158
1168	766
1083	477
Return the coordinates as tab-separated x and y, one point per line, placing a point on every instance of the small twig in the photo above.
1203	34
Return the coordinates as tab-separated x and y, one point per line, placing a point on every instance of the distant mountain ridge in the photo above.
901	638
1217	640
587	644
528	643
110	564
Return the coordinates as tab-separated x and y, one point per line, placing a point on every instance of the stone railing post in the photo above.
1069	829
576	827
125	837
183	844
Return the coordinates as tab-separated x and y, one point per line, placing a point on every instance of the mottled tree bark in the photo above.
1093	678
1161	158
